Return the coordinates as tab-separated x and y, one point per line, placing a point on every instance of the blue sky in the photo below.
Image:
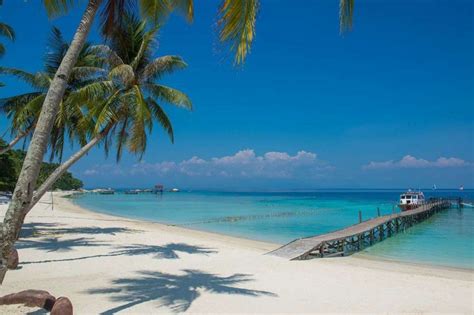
386	105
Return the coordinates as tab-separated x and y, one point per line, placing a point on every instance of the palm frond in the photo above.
185	7
85	73
141	120
7	31
162	65
38	80
57	7
237	26
146	42
346	12
169	95
121	138
96	91
122	76
106	113
22	110
112	14
155	10
161	116
109	55
56	48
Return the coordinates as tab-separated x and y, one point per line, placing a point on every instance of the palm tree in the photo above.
8	32
24	109
124	106
237	27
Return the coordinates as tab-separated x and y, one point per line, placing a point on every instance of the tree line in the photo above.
10	166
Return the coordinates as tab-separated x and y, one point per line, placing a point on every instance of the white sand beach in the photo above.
107	264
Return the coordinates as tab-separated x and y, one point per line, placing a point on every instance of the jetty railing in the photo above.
366	233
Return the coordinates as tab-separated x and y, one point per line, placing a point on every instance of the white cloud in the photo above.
409	161
244	163
90	172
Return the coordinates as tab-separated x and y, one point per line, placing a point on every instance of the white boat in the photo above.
411	200
174	190
108	191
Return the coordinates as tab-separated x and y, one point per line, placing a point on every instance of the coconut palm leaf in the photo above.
107	54
96	91
185	7
346	12
146	43
57	7
37	80
169	95
122	76
7	31
236	24
162	65
161	117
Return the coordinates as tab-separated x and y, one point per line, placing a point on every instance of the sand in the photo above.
108	264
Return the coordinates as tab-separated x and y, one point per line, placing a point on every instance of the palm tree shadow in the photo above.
168	251
177	292
53	244
34	229
42	229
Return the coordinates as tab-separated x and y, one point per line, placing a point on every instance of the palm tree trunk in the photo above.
29	173
20	136
58	172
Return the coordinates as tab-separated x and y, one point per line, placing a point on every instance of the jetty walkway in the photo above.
356	237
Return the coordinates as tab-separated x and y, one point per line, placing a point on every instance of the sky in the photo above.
387	105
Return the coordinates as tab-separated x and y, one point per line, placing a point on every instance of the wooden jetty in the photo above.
356	237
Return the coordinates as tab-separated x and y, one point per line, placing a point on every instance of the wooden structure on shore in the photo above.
356	237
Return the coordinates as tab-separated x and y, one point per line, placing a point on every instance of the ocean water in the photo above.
445	239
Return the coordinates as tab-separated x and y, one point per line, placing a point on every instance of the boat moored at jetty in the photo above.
411	200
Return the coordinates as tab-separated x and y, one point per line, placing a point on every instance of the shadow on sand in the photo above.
47	229
53	244
177	292
168	251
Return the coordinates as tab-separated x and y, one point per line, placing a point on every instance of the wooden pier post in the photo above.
378	211
360	216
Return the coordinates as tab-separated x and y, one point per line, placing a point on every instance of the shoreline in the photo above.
67	202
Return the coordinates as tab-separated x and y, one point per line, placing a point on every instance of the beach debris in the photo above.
63	306
31	298
13	259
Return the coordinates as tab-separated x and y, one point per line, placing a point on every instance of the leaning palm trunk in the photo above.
59	171
17	139
23	192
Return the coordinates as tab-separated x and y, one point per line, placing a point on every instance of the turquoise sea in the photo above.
446	239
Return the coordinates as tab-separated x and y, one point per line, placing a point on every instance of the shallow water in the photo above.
445	239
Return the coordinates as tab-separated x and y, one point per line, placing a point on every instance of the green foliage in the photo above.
128	101
6	31
23	110
10	166
8	172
